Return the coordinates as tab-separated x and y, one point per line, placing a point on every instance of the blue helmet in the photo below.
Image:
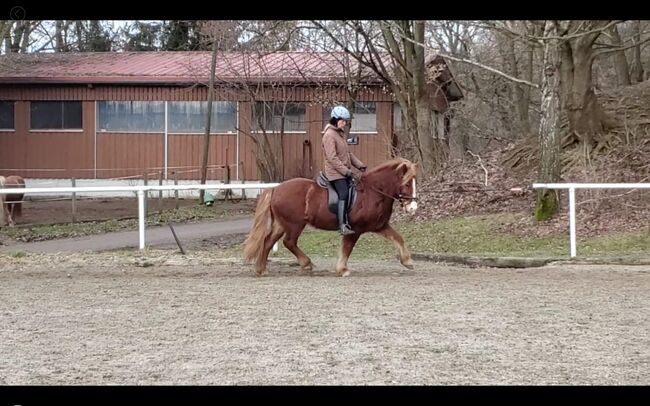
341	113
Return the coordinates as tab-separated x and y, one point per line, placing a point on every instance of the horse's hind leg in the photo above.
261	266
292	233
404	254
346	249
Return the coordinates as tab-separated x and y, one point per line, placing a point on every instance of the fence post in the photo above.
74	201
141	215
572	220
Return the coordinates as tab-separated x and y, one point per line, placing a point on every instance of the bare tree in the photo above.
17	35
637	72
619	59
549	128
218	33
394	50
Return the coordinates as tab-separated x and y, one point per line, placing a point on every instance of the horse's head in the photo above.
396	179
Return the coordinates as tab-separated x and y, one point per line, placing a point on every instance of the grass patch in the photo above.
472	236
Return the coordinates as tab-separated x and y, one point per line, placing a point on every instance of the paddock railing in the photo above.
572	200
140	190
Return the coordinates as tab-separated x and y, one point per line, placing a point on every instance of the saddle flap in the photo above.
332	196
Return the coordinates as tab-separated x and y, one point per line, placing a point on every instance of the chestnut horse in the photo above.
286	209
11	203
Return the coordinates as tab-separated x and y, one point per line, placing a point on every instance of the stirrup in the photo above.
346	230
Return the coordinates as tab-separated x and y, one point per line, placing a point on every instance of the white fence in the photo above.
140	190
572	199
66	183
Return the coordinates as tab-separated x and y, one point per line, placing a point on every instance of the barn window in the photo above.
189	117
56	115
131	116
364	117
7	115
269	115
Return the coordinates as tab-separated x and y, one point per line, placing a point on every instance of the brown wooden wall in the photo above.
65	154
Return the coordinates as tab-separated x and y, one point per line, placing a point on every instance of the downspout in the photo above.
95	141
166	151
237	153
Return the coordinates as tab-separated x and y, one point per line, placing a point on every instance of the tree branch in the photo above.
616	49
575	34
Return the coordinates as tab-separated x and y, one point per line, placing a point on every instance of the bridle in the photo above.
400	197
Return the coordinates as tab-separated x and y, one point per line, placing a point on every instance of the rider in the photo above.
339	161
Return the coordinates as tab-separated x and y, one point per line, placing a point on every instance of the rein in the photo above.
400	198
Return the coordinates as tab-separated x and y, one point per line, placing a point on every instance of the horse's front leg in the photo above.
404	254
346	249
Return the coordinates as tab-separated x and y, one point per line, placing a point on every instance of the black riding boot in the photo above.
344	227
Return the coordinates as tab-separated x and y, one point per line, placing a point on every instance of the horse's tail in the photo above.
262	227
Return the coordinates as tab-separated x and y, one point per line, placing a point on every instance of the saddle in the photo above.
333	197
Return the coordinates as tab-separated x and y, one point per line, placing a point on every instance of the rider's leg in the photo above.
341	186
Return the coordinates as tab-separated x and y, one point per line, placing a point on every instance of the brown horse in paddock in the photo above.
285	210
12	205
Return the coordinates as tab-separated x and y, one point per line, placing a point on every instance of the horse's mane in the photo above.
396	164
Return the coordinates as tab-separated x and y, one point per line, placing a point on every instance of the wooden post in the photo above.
243	180
74	202
160	193
227	191
176	190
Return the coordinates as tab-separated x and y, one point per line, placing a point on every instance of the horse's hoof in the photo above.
408	265
345	273
262	273
308	267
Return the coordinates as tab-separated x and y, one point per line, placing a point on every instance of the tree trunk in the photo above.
529	56
58	36
435	150
208	121
620	62
586	118
5	29
516	89
15	42
549	128
637	67
81	38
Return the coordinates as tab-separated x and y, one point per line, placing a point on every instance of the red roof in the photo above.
173	67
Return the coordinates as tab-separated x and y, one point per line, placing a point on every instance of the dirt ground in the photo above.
39	211
167	319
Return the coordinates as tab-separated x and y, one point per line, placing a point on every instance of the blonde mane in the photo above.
397	164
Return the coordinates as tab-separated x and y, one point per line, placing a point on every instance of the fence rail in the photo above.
572	200
140	190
